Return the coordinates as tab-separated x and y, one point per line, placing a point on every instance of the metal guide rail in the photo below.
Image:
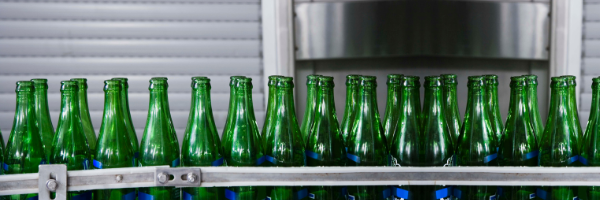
56	178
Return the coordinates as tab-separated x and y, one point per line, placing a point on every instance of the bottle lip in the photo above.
40	83
68	85
352	79
200	82
326	82
595	82
112	85
491	79
84	80
449	79
273	80
476	81
120	79
518	81
394	79
368	81
285	82
531	79
24	86
410	81
39	80
433	81
312	80
233	80
571	80
158	84
558	82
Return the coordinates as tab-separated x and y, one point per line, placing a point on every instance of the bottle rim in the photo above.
24	86
68	85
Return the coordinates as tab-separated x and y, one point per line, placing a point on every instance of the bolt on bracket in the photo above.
53	178
180	177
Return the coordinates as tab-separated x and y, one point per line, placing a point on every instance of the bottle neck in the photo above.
518	103
41	101
201	101
113	108
450	93
367	102
392	97
434	102
558	105
69	112
409	96
532	97
351	96
24	112
595	110
477	103
239	109
82	98
325	102
284	102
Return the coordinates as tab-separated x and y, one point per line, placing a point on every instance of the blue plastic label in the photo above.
84	196
582	160
33	198
345	191
144	196
400	193
186	196
443	193
129	196
532	154
493	197
386	193
268	198
136	154
312	155
457	193
489	158
97	164
5	166
575	198
218	162
175	163
43	162
354	158
499	191
301	194
86	164
350	197
573	159
231	195
542	194
261	160
311	195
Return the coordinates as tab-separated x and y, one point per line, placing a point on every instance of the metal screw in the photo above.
51	185
162	177
191	177
119	178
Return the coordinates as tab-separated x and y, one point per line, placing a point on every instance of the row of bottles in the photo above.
408	135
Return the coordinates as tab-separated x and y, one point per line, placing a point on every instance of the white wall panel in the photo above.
137	39
592	30
591	48
136	48
78	66
592	12
128	11
128	29
591	55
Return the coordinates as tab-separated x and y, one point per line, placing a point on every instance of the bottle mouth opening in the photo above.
24	86
68	86
112	85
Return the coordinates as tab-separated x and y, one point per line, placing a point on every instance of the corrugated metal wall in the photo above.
138	39
591	55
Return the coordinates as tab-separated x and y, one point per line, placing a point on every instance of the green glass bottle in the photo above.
325	144
127	117
491	82
84	110
24	150
284	145
113	149
451	105
242	146
270	104
167	109
404	146
201	143
571	83
392	106
436	147
311	104
366	143
70	146
559	144
42	113
518	145
477	144
591	142
532	104
158	147
351	107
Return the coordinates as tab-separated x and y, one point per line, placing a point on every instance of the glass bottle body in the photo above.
350	107
42	114
86	122
451	105
391	115
24	150
311	104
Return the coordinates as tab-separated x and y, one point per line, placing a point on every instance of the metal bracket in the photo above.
53	178
181	177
